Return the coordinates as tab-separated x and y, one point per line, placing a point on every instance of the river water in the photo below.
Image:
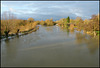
51	47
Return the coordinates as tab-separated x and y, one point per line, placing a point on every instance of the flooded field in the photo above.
50	47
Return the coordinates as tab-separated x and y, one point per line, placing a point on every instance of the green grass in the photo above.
97	32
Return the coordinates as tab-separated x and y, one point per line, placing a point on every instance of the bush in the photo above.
22	23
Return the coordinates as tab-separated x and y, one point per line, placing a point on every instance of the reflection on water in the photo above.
72	31
49	29
51	46
65	30
80	38
83	38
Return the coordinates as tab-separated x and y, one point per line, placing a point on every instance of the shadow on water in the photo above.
7	40
17	36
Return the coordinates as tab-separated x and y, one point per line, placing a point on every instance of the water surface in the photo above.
51	47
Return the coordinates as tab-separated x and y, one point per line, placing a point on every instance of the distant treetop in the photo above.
31	19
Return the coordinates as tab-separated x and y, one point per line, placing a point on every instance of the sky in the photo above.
41	10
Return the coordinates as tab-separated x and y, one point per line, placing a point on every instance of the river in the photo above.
50	47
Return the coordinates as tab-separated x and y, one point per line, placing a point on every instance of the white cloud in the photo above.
23	11
78	14
51	8
76	11
12	10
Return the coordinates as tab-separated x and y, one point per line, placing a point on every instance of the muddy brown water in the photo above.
51	47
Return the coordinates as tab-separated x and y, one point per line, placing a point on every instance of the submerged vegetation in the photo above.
90	26
10	25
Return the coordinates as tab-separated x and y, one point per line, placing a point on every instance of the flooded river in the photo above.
50	47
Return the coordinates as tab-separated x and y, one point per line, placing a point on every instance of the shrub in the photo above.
22	23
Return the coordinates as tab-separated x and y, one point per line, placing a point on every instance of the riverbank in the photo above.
50	46
89	26
13	27
70	27
21	33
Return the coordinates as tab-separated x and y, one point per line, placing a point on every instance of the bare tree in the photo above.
8	21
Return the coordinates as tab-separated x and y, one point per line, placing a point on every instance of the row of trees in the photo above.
90	26
47	22
11	25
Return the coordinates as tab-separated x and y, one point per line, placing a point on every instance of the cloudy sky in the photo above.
41	10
